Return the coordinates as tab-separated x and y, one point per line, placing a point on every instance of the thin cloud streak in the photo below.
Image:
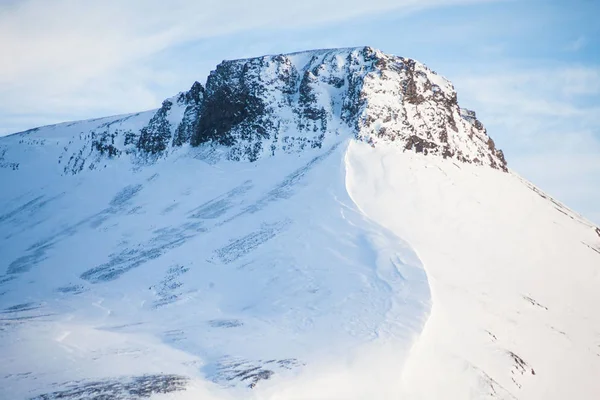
576	44
97	56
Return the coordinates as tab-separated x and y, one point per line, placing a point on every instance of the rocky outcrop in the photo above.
235	112
155	137
192	100
285	103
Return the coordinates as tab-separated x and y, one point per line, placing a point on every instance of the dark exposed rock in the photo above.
168	290
104	143
134	388
336	82
409	87
534	302
131	138
468	114
225	110
234	111
419	145
193	96
155	137
193	100
250	373
309	107
287	75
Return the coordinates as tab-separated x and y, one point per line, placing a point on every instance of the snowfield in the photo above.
233	273
514	278
409	264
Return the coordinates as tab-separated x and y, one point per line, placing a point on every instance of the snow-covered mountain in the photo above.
320	225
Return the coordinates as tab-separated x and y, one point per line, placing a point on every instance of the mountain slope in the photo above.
212	269
513	276
319	225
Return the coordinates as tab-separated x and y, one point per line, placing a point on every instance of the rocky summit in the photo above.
262	106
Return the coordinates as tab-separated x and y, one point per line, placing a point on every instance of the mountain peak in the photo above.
292	100
285	103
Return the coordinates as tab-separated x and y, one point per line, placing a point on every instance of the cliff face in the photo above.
287	102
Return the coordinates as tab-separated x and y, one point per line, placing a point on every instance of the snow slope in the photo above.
514	278
194	275
344	261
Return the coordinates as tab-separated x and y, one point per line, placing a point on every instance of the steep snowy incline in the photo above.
514	277
228	275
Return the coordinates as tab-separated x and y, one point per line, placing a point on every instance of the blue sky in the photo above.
530	68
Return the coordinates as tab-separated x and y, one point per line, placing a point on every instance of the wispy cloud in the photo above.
83	57
576	44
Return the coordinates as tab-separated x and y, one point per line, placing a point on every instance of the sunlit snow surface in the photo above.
514	277
299	276
242	275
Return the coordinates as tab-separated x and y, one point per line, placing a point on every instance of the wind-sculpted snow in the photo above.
125	195
513	283
20	308
169	290
216	207
201	271
71	289
225	323
37	252
163	241
24	313
285	188
32	204
242	246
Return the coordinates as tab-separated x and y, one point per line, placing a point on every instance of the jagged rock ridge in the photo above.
261	106
287	102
